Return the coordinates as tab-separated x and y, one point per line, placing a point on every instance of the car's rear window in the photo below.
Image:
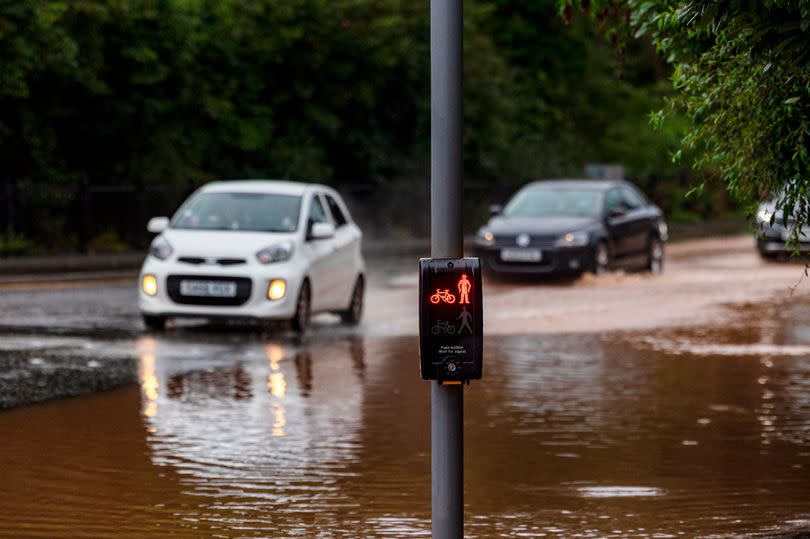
555	202
253	212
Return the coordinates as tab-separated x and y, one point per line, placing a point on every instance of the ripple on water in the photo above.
619	492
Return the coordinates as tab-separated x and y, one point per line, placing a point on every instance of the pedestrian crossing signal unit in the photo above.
450	319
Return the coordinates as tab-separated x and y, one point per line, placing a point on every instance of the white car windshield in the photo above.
551	202
253	212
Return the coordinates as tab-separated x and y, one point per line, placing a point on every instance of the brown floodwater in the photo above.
687	433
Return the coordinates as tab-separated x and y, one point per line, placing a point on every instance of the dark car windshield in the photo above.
555	202
254	212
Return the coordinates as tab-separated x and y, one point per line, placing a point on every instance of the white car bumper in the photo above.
252	281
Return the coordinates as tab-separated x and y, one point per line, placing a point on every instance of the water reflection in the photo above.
303	368
145	348
239	420
277	386
357	353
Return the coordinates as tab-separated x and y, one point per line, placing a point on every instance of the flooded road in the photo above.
567	436
625	406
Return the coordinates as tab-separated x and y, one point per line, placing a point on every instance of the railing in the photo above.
85	217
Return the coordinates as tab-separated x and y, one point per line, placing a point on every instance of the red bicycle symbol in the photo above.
442	295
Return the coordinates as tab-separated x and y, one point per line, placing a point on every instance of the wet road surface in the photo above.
686	430
703	280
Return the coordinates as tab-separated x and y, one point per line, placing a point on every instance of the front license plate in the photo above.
214	289
521	255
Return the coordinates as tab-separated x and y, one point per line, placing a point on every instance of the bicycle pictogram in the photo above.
443	326
442	295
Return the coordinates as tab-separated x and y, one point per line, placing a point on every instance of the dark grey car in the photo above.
571	226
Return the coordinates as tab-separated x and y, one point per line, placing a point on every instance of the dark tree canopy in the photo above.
156	92
742	78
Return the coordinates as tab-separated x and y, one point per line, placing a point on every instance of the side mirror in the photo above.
156	225
321	231
618	211
495	209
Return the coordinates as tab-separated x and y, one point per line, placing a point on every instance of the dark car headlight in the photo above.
485	237
580	238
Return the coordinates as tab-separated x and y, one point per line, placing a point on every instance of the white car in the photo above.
263	250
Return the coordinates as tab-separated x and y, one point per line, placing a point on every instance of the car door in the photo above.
343	259
319	254
617	224
638	222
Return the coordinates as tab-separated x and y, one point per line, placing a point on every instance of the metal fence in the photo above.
38	216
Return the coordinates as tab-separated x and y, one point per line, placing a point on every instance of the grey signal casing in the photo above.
450	332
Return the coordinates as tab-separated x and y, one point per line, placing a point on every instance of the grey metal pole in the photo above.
447	241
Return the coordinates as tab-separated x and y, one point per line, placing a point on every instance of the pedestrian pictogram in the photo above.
465	318
464	286
443	295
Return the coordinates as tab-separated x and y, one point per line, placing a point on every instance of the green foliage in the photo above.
16	245
106	242
168	91
742	78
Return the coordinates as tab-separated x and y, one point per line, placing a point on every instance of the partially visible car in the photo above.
573	226
255	249
773	233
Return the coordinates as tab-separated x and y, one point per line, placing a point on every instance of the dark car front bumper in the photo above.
555	261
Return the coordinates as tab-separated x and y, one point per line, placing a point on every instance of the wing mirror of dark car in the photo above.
618	211
495	209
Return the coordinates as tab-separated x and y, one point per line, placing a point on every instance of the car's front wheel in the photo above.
352	315
154	323
300	322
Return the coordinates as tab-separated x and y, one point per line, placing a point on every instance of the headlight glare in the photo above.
485	237
573	239
276	289
765	215
161	248
149	285
275	253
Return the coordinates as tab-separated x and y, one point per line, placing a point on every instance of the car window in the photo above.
255	212
316	212
613	200
555	202
337	213
632	199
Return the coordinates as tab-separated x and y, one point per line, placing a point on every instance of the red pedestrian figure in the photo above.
464	286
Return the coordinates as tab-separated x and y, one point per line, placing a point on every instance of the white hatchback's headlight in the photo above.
573	239
764	215
278	252
161	248
485	237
